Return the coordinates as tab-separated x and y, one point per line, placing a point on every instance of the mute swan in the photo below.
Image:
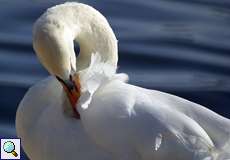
96	114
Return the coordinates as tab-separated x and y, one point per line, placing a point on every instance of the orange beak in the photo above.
72	89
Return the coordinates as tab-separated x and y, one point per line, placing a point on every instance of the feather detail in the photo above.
97	74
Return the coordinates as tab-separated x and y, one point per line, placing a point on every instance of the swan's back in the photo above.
151	124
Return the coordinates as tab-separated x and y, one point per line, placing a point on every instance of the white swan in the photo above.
125	122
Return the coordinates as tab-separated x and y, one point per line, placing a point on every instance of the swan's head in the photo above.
54	34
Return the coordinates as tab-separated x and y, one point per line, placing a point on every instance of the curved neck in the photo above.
95	35
56	30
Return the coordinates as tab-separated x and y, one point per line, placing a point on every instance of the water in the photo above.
177	46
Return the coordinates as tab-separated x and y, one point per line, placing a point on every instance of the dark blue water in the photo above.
177	46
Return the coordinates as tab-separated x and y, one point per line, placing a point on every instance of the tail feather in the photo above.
216	126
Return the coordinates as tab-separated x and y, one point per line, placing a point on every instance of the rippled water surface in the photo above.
177	46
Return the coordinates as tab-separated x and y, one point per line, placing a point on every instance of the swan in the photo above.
85	110
45	120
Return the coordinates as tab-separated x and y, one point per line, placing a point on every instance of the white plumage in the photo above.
118	121
136	123
47	132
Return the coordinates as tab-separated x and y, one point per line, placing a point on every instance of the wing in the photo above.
172	131
126	119
216	126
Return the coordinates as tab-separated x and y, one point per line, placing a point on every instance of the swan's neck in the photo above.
57	29
97	38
